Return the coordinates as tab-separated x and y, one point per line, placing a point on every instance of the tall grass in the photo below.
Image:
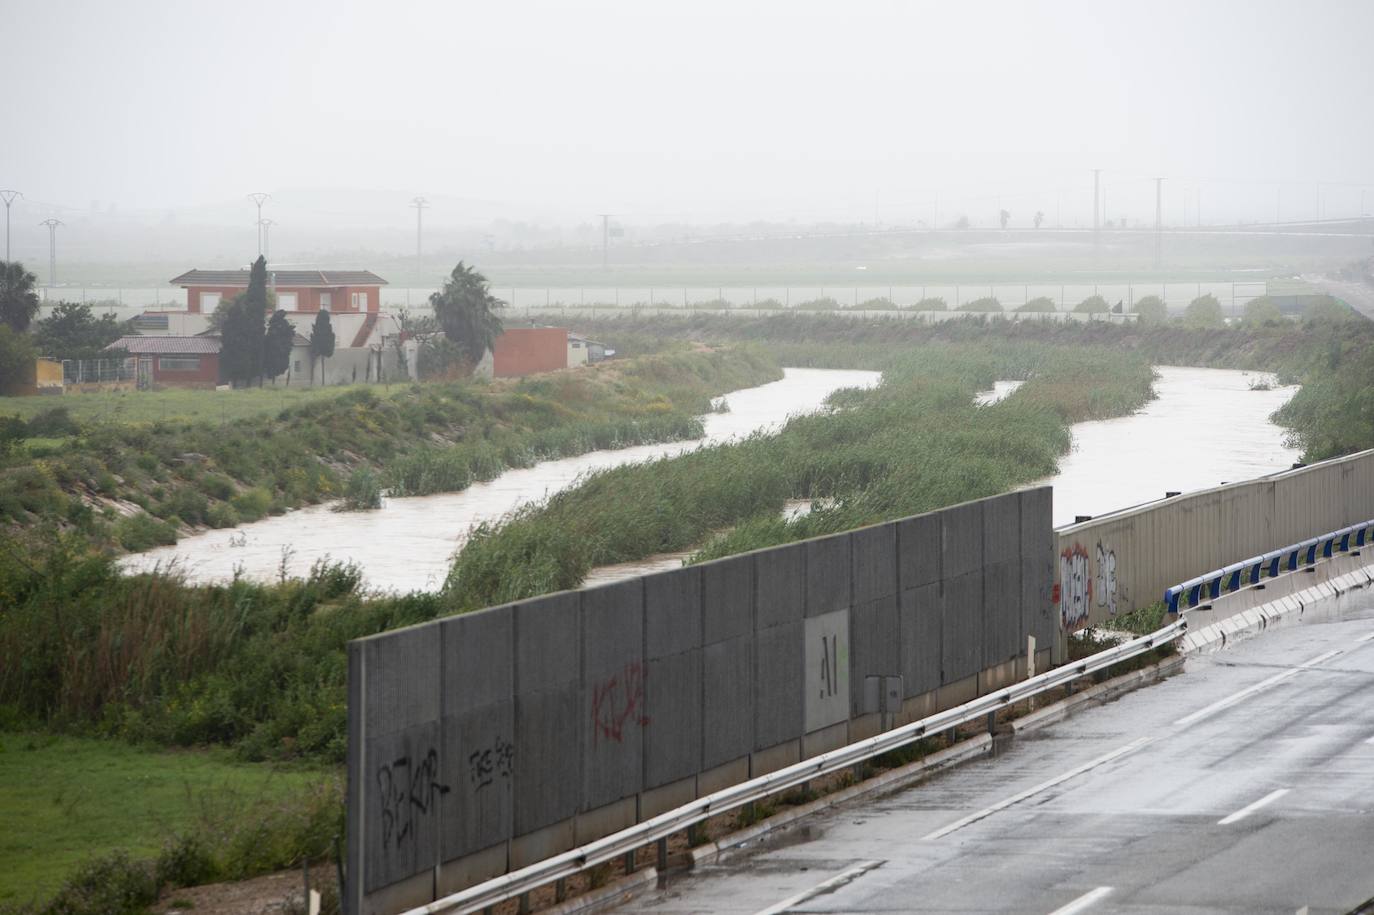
914	444
423	439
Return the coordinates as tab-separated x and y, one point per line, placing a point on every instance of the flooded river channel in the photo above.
407	544
1206	426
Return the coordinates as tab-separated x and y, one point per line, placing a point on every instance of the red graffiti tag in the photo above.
617	702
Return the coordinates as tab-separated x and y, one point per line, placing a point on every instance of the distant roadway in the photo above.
1243	784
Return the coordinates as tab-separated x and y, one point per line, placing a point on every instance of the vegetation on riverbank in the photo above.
138	484
914	444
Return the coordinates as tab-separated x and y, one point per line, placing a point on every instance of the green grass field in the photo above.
63	799
178	403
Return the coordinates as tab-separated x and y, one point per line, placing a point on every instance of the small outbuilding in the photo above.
177	361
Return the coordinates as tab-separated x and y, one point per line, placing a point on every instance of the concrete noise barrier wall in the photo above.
484	742
1124	561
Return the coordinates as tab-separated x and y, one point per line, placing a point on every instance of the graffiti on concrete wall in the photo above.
1104	583
490	763
618	703
1074	590
410	791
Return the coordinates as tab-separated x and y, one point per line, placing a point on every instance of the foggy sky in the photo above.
689	110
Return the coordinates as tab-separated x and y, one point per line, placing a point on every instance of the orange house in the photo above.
335	291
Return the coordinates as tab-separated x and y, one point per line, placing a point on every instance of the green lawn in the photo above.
63	799
177	403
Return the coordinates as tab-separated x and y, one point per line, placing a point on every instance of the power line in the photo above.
52	225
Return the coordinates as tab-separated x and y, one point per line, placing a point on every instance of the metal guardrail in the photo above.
1270	565
568	863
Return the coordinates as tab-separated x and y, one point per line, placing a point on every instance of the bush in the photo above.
1204	312
113	885
1328	310
55	422
218	485
186	860
825	303
769	303
987	304
931	303
1152	310
222	514
362	492
881	303
1092	305
1040	303
140	532
1262	312
252	504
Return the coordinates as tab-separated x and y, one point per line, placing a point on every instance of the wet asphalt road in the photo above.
1244	784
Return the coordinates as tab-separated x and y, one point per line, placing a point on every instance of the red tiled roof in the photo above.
308	279
166	345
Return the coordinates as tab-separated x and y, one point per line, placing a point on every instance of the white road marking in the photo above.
1248	809
1083	902
1030	792
1256	688
833	883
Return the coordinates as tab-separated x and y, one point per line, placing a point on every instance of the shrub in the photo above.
252	504
112	885
189	505
140	532
54	422
218	485
362	492
824	303
987	304
769	303
221	514
1152	310
931	303
1328	310
1040	303
1093	304
1262	311
186	860
1204	312
881	303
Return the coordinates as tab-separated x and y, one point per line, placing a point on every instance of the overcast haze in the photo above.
693	111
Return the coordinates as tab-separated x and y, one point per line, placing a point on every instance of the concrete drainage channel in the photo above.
1327	589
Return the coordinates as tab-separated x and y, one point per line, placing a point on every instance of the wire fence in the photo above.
129	302
99	371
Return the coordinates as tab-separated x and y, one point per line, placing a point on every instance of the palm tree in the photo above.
466	310
18	301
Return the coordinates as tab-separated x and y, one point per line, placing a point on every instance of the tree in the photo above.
1004	215
1093	304
18	301
1039	218
1152	310
1204	312
16	356
73	331
1262	311
1039	304
1325	309
466	310
276	347
243	329
321	342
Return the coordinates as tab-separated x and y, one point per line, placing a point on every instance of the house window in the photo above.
359	301
297	367
286	301
178	363
575	345
326	301
209	301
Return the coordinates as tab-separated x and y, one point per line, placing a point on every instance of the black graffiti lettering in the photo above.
409	793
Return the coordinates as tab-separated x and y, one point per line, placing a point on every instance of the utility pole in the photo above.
267	225
8	197
1159	220
52	225
605	240
259	198
419	203
1199	206
1097	212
